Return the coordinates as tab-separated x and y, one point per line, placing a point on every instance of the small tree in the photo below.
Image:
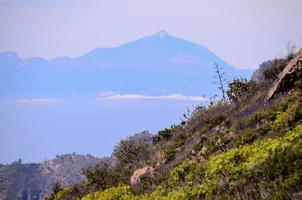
101	176
130	152
220	79
240	88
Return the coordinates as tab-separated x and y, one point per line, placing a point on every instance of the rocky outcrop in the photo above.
34	181
258	75
137	174
291	73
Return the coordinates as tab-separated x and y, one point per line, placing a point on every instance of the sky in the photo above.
38	130
244	33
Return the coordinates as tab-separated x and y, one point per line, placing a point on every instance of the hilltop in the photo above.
35	180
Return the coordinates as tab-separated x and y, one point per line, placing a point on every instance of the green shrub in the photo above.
189	172
101	176
210	145
268	165
170	154
121	192
239	89
247	138
162	135
69	193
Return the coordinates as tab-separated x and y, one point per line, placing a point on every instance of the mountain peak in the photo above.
162	34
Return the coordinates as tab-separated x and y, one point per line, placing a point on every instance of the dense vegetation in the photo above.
242	148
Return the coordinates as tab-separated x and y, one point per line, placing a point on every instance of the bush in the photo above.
121	192
247	138
170	155
189	172
268	166
207	118
72	192
162	135
133	151
101	176
239	89
56	188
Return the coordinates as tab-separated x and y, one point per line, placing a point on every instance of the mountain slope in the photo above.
174	63
159	50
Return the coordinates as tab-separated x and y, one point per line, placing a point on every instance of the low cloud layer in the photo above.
175	97
34	101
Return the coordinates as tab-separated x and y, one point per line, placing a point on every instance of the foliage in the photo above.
205	118
247	138
56	188
72	192
101	176
189	172
240	88
270	160
221	81
121	192
162	135
130	152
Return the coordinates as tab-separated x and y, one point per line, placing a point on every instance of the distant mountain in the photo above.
34	181
155	65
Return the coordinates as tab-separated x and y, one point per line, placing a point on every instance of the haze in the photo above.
244	33
50	107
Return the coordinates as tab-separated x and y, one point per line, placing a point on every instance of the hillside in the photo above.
35	181
249	147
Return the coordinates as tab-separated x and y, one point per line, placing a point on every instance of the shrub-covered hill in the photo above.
249	147
33	181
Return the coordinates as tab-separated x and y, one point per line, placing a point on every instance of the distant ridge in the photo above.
35	180
158	64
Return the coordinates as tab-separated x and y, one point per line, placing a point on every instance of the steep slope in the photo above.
35	181
291	72
246	148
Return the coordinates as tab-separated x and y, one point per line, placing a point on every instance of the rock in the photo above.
158	165
204	150
258	75
200	157
291	72
230	136
137	174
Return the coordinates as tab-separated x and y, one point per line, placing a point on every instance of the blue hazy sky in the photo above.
38	131
244	33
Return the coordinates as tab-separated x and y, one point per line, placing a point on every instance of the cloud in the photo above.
175	97
39	101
